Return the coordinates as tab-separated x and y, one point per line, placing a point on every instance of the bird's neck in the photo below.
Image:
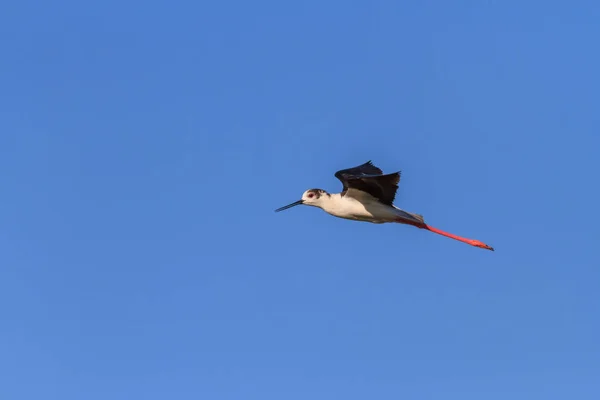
331	202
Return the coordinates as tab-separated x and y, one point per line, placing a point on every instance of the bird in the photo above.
368	196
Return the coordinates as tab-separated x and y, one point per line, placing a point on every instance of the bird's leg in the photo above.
472	242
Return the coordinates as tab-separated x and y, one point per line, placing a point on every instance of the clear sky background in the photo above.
145	145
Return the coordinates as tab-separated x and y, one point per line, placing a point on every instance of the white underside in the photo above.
362	207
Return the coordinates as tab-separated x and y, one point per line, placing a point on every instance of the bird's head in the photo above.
312	197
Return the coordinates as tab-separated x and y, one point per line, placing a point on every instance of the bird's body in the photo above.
364	208
368	196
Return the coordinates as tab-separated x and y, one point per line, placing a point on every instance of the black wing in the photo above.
370	179
365	169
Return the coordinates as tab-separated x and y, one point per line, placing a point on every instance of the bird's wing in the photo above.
365	169
381	187
369	179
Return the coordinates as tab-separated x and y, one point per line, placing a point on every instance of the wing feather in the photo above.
370	179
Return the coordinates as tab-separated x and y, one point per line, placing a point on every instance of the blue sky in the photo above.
145	145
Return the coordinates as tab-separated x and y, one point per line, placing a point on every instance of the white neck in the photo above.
332	203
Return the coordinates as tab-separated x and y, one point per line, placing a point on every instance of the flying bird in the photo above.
368	195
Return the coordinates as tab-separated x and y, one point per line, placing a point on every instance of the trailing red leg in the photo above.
472	242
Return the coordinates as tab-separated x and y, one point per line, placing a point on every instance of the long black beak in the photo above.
296	203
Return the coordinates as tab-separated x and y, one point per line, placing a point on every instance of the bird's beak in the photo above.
296	203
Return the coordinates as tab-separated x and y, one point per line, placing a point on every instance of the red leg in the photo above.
472	242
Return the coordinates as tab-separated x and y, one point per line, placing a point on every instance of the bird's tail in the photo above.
416	218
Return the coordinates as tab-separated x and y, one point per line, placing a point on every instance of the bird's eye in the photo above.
311	195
